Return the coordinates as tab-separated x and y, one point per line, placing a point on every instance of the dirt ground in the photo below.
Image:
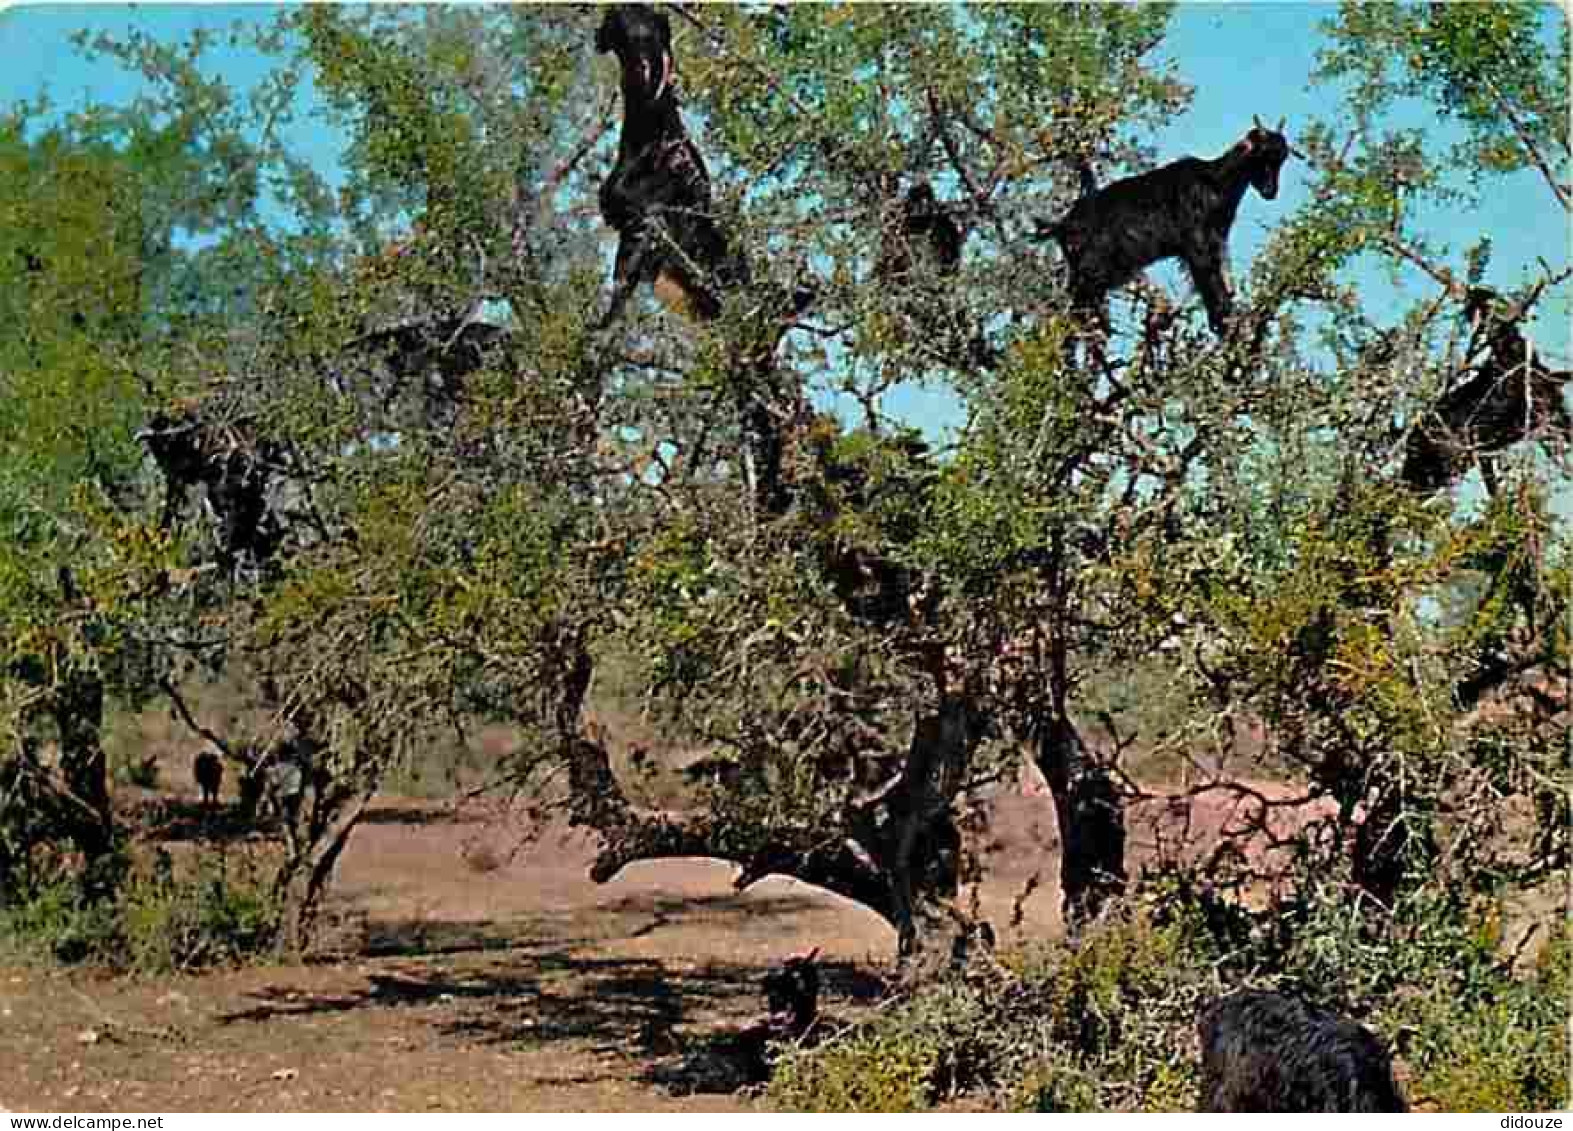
471	978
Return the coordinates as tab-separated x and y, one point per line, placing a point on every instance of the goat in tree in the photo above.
1264	1051
922	248
925	227
233	469
657	196
1510	398
1183	210
433	358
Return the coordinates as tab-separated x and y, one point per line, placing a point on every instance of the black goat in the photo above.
922	247
1267	1052
737	1060
1511	397
792	994
431	358
925	227
1183	210
208	769
232	467
657	196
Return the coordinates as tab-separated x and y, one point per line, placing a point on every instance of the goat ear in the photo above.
605	36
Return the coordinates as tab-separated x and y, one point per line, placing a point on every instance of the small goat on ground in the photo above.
1266	1052
1183	210
208	768
742	1058
1511	397
657	196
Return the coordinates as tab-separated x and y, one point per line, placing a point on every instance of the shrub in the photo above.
1107	1023
50	921
220	914
1104	1024
1502	1047
890	1072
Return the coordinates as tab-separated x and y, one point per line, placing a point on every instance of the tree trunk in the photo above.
1091	817
303	879
78	711
1394	843
897	853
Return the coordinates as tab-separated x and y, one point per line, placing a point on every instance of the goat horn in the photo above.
1257	122
1280	127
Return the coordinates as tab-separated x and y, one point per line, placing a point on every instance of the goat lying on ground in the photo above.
739	1059
208	768
1263	1051
1511	397
1183	210
657	196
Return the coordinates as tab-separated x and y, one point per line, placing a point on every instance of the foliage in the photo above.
463	545
1493	71
216	913
1108	1022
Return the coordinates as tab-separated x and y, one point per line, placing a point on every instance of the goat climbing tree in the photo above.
480	508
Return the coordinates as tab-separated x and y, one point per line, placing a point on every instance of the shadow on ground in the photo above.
167	820
527	982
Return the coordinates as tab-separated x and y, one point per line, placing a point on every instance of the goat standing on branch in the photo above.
1183	210
1511	397
926	228
921	249
232	465
657	196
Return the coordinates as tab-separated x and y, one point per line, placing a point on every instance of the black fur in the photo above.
923	246
232	467
208	769
792	993
432	359
1511	397
926	227
1183	210
1267	1052
657	196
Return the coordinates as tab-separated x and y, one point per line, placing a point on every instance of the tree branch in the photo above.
1535	156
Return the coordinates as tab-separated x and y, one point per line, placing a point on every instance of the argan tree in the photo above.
477	508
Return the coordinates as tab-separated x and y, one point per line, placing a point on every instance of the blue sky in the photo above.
1241	58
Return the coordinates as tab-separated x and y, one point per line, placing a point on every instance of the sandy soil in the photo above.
470	978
